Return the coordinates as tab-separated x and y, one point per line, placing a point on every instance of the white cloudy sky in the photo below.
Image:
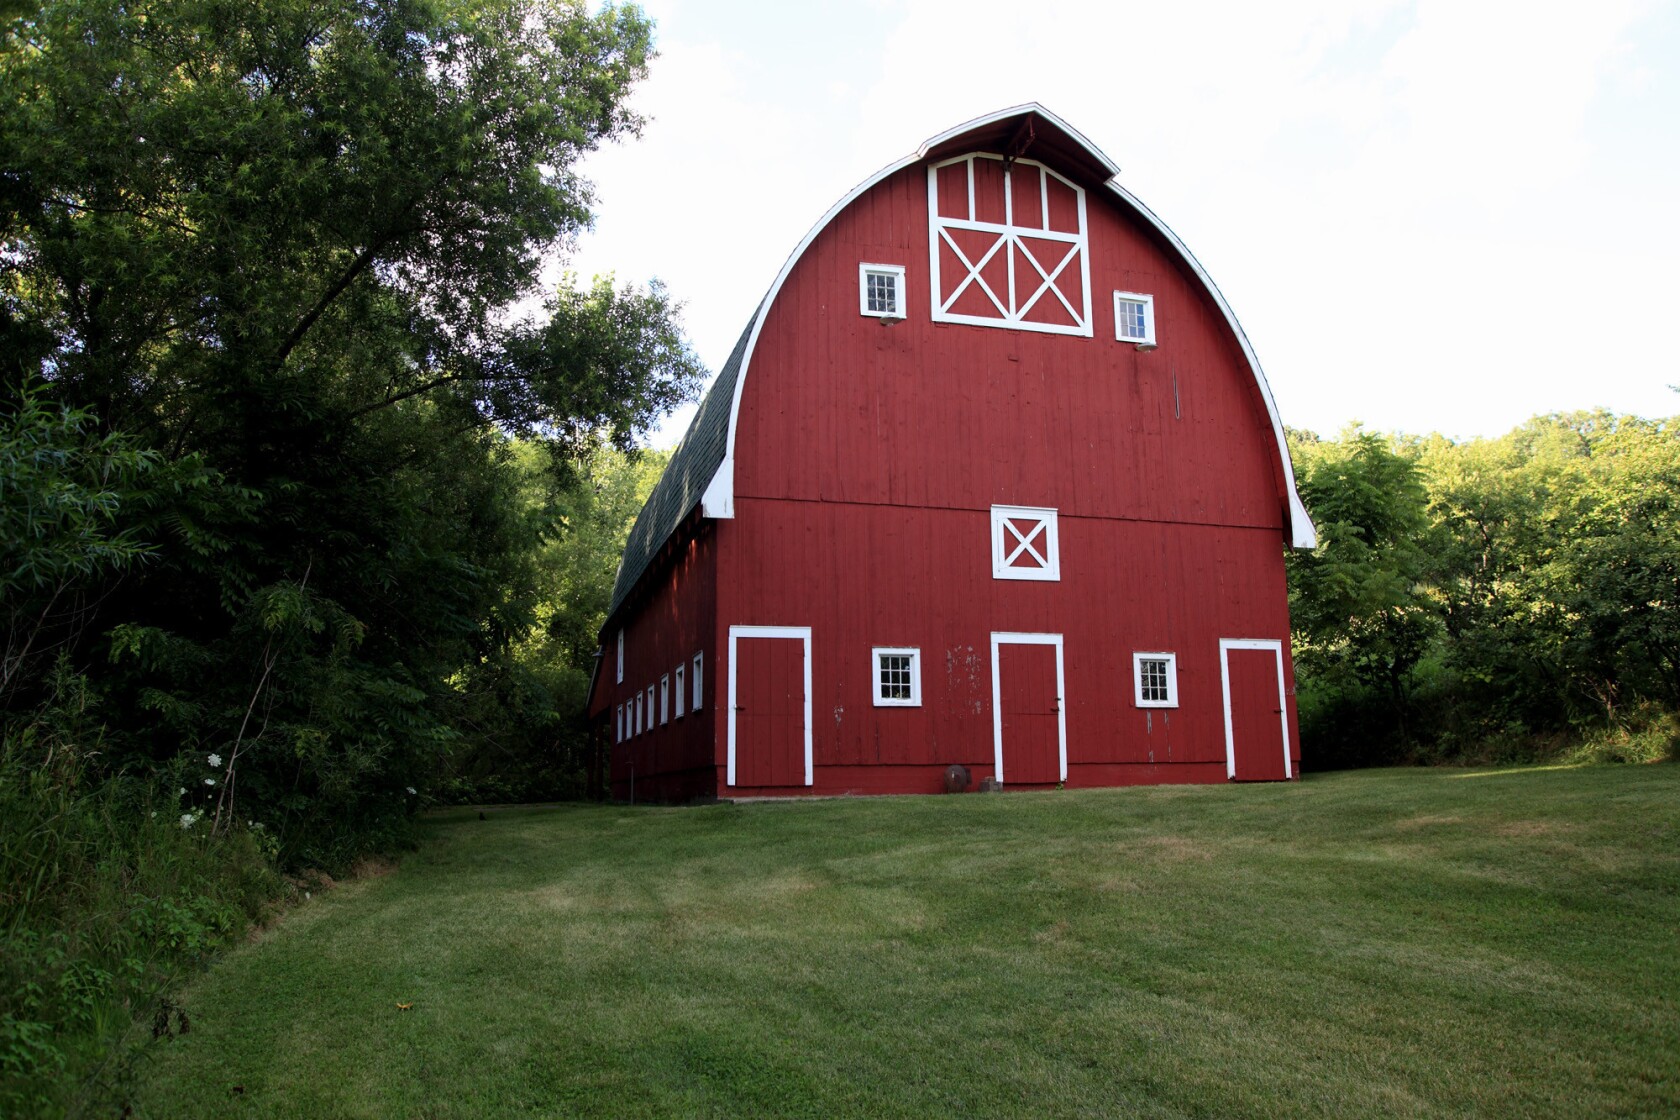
1434	215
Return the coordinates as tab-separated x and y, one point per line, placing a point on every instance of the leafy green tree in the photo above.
283	245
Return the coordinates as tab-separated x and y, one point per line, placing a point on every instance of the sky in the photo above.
1429	216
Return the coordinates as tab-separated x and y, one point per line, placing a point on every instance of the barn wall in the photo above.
868	456
1126	586
955	416
675	620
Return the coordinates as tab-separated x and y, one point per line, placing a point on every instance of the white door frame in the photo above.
1276	646
1007	638
804	634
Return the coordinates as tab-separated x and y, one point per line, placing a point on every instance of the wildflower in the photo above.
209	781
188	819
411	792
215	760
182	792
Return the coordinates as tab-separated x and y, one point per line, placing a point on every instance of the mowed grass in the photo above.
1393	943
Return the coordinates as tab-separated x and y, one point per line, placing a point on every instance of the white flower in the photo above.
182	792
215	760
188	819
411	791
209	781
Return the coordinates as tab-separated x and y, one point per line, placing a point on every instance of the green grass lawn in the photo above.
1390	943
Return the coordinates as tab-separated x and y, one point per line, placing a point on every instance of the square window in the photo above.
697	690
678	695
1134	318
881	290
665	699
1155	677
898	677
1025	544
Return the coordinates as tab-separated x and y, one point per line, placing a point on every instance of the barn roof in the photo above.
692	466
702	470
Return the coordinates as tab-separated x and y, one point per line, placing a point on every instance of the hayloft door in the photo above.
769	706
1256	717
1029	725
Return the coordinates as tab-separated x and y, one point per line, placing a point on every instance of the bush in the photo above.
108	893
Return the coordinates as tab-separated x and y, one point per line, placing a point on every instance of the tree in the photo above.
282	243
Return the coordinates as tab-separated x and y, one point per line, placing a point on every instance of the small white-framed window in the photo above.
618	715
1025	543
1134	318
678	695
881	290
898	676
620	657
698	691
650	724
665	699
1155	679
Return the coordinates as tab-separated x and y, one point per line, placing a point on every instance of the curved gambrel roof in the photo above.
703	468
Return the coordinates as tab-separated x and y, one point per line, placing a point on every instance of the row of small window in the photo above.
898	678
649	708
881	294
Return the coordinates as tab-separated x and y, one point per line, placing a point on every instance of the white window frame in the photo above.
915	656
650	724
1138	658
620	724
699	693
896	271
677	693
665	699
1006	543
1148	302
620	657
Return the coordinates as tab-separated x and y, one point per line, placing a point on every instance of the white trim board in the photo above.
1007	638
801	632
718	500
1276	646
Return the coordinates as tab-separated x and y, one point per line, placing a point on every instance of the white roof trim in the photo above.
719	498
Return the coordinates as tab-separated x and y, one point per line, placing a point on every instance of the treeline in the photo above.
1490	600
296	459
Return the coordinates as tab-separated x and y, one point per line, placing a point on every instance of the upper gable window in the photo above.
1024	543
1134	318
881	290
620	657
1008	246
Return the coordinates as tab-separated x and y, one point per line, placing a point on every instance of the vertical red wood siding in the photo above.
674	760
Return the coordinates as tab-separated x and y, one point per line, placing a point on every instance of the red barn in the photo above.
992	477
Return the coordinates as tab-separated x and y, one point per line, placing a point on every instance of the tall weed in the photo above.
106	898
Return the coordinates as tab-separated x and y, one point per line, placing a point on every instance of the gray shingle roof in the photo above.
691	467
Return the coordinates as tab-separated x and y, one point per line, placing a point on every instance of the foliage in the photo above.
263	265
527	738
108	890
1501	598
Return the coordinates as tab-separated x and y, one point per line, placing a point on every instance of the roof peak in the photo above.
1026	130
